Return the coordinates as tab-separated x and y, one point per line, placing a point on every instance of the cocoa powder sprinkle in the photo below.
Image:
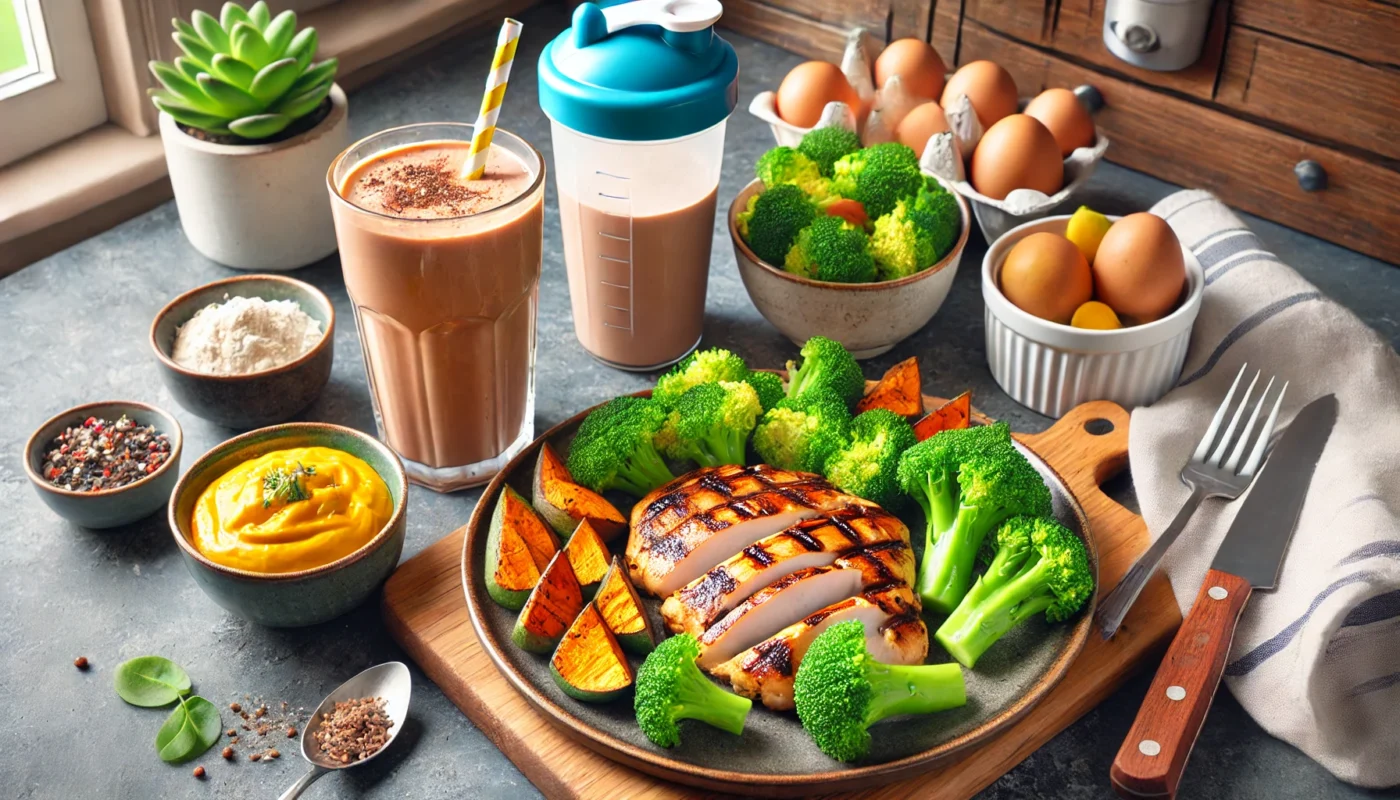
422	186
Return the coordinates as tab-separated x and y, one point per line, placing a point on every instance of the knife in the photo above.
1153	757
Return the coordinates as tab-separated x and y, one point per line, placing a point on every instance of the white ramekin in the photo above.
1051	368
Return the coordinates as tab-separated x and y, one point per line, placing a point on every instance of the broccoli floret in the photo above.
915	234
613	448
825	145
994	484
773	219
868	465
802	434
826	365
928	471
840	690
831	249
878	177
702	366
768	386
711	423
1038	566
671	688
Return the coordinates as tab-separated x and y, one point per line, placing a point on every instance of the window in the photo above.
49	85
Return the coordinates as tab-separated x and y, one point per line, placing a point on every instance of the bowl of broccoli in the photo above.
854	243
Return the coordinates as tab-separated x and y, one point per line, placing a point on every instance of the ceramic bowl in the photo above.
1051	368
868	318
258	398
309	596
106	508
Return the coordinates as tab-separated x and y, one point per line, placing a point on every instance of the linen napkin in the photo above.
1317	662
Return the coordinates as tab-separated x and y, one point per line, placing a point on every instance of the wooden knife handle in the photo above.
1153	757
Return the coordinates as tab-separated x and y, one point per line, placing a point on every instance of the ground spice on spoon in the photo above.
355	730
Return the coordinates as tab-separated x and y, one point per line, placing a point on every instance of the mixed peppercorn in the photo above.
101	455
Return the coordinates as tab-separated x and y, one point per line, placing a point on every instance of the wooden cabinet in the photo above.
1279	82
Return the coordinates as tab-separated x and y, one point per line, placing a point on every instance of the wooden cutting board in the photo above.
425	609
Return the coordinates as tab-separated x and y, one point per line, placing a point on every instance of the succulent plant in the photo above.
246	73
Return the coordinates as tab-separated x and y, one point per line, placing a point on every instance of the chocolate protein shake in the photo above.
444	277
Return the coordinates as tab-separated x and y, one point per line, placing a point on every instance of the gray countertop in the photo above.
74	328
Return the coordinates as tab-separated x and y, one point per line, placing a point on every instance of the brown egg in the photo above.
1139	269
808	88
916	63
1045	275
1017	153
988	86
919	124
1069	122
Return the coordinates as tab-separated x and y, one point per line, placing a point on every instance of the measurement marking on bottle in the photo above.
614	237
615	308
620	193
615	260
614	196
616	285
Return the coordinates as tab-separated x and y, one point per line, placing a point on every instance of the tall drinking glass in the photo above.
444	277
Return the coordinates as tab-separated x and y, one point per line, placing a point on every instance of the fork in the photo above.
1209	474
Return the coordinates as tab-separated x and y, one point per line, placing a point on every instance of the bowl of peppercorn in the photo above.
103	465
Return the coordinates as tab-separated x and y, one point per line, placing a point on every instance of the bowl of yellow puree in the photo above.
294	524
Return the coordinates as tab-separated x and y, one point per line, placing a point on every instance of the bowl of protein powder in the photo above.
248	351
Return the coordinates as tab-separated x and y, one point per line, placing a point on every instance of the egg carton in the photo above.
855	65
943	157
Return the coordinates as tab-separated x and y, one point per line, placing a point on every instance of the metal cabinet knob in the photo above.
1311	176
1089	97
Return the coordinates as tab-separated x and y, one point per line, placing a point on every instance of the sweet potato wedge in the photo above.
518	548
622	611
588	664
588	556
953	415
552	606
900	391
564	503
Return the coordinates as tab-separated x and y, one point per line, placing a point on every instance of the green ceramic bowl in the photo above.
256	398
310	596
106	508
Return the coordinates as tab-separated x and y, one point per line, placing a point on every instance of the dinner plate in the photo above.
774	756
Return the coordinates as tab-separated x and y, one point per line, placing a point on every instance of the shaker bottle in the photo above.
637	95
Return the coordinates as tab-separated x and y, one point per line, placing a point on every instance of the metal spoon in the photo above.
389	681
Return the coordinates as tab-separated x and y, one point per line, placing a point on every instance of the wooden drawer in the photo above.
1250	166
1368	30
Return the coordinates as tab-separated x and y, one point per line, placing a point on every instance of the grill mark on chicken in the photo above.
758	554
772	657
710	592
729	619
896	621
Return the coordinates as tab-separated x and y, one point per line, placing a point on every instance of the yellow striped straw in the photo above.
491	101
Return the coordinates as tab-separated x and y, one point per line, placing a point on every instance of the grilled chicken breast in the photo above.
810	543
685	528
802	593
894	634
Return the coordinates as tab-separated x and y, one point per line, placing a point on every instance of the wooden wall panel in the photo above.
947	19
1315	92
1248	165
802	35
1027	20
1365	29
817	28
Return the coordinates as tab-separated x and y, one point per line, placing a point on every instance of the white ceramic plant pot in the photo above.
258	206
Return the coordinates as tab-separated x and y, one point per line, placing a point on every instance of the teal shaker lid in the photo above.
640	71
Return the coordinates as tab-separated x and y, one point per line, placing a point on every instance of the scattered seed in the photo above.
291	733
199	772
273	754
255	757
81	662
232	732
234	707
227	753
261	710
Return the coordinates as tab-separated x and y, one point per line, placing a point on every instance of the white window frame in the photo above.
64	96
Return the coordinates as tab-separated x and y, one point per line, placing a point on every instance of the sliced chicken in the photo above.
810	543
802	593
894	634
666	551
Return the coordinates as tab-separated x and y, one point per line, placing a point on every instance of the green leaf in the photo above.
184	27
231	99
210	32
231	15
192	727
280	31
250	47
274	80
188	68
150	681
260	126
259	14
297	106
205	122
303	47
185	90
234	71
195	48
315	76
